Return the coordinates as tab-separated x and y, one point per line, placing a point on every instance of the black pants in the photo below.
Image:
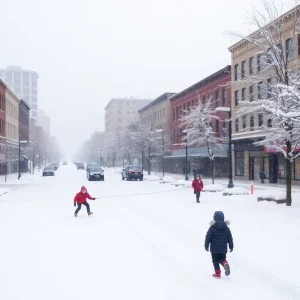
79	207
218	259
197	196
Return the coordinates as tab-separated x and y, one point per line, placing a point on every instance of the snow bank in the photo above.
182	182
235	191
151	178
272	194
167	179
213	188
4	191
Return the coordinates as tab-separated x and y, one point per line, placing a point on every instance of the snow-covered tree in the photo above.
277	82
197	124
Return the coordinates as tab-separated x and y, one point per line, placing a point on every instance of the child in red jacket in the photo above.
198	187
80	199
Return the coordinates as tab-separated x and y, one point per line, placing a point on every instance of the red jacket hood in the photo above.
83	188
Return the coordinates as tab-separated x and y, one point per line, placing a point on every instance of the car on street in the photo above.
88	166
55	165
95	173
65	163
80	166
132	172
49	171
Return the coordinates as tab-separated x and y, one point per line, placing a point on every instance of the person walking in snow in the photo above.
80	199
197	185
217	238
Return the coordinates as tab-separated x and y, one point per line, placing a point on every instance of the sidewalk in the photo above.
12	179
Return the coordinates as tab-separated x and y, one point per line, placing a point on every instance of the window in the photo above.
243	94
177	112
259	91
236	72
217	127
243	69
174	136
184	109
203	100
251	65
217	98
252	123
298	44
259	63
236	98
224	96
237	125
269	123
251	93
289	48
239	163
279	50
188	106
164	112
180	110
260	120
244	122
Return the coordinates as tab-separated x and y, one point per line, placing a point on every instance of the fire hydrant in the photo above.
251	188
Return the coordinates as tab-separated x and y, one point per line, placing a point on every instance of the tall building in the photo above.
24	83
120	112
44	121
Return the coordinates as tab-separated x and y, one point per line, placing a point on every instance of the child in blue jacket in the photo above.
217	238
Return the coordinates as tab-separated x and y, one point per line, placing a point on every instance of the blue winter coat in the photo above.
218	235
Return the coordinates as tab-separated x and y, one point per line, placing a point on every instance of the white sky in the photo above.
89	51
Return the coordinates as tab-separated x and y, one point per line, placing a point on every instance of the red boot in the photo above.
217	275
226	267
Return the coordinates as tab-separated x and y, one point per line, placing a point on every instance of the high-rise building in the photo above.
44	121
25	85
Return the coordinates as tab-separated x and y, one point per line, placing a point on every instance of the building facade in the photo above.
24	111
24	83
2	127
249	160
217	88
119	113
44	121
12	103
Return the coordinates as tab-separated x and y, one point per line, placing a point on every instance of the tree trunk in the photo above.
212	171
288	175
149	162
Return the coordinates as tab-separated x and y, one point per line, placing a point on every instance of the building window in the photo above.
259	63
224	96
217	98
237	125
259	91
177	112
188	106
251	65
269	123
244	122
218	127
252	123
243	69
239	163
174	114
260	120
203	100
243	94
184	109
269	85
174	136
289	48
298	44
236	72
236	98
251	93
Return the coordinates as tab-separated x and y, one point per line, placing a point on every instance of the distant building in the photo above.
44	121
24	83
119	113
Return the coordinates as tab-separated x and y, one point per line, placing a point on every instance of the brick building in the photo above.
2	127
24	120
217	88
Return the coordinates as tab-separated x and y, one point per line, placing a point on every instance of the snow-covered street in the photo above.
141	247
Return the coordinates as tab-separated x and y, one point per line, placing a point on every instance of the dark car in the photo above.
49	171
132	172
55	165
88	166
65	163
80	166
95	173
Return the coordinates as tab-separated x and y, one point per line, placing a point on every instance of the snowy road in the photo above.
140	247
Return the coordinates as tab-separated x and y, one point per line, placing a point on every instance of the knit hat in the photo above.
219	216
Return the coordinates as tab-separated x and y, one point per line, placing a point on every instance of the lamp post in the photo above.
228	110
186	155
99	149
20	142
163	150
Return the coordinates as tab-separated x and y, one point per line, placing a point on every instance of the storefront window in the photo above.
281	167
239	163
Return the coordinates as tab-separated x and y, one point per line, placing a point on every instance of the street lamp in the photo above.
228	110
186	155
163	150
20	142
99	149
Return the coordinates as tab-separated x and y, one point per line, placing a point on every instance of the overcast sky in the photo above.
89	51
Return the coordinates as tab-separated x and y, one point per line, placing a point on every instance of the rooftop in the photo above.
157	100
126	100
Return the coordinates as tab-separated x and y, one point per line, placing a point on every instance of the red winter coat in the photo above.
81	198
197	185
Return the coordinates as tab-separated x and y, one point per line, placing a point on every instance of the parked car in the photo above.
65	163
95	173
80	166
49	171
132	172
